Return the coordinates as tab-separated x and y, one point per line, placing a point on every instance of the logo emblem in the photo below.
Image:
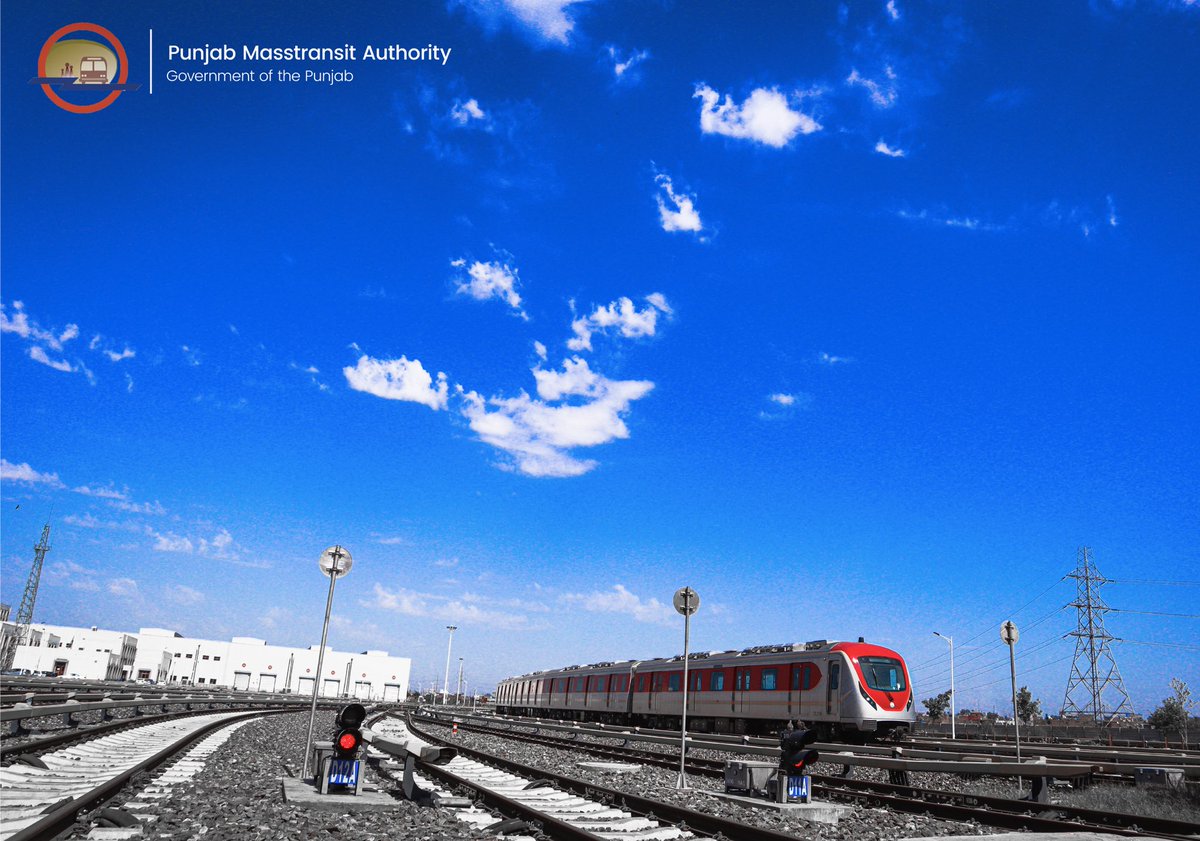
83	68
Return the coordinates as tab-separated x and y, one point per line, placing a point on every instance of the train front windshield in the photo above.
883	674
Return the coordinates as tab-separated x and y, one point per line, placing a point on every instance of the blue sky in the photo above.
859	319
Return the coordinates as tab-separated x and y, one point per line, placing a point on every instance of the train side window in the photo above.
834	671
673	682
641	684
796	676
718	682
600	684
768	678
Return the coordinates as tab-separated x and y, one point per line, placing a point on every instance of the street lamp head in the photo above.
335	561
451	628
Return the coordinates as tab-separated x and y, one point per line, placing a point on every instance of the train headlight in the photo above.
863	692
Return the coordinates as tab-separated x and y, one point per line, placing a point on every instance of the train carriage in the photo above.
846	690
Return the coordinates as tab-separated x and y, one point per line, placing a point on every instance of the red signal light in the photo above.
347	741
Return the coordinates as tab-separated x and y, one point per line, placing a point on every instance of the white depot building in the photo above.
247	663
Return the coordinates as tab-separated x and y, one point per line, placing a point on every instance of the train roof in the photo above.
700	656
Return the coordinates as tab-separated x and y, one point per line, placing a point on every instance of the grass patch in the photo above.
1169	804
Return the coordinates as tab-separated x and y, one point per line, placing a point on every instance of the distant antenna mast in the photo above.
1093	669
25	611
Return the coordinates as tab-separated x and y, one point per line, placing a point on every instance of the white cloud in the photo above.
884	149
184	595
464	112
828	359
221	546
313	372
20	324
103	493
10	472
786	405
460	611
893	12
191	355
622	66
621	314
172	543
138	507
128	353
684	216
38	355
125	587
398	379
1112	212
274	616
490	280
883	94
446	563
540	350
765	116
392	541
620	601
538	436
550	20
969	223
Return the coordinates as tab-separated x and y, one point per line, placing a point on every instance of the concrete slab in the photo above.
822	812
303	793
613	767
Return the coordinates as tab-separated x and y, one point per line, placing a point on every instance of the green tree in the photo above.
1028	709
937	705
1172	715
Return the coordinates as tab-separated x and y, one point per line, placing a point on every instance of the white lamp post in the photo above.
449	645
953	732
334	562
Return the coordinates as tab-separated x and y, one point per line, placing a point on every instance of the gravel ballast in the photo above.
659	784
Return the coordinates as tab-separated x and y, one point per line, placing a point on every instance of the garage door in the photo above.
241	680
362	689
266	683
306	686
391	692
332	687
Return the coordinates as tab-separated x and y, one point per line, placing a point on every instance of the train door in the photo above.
793	687
831	686
741	690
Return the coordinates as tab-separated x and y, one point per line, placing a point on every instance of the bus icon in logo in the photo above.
83	68
93	70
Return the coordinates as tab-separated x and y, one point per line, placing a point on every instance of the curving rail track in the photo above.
44	793
567	809
993	811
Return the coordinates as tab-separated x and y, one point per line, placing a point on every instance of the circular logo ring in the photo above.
121	57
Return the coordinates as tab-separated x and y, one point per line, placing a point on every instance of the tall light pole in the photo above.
449	645
687	602
334	562
951	641
458	694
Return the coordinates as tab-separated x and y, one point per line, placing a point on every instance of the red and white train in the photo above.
845	690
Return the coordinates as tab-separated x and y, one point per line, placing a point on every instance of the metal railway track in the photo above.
40	802
599	812
958	806
10	750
